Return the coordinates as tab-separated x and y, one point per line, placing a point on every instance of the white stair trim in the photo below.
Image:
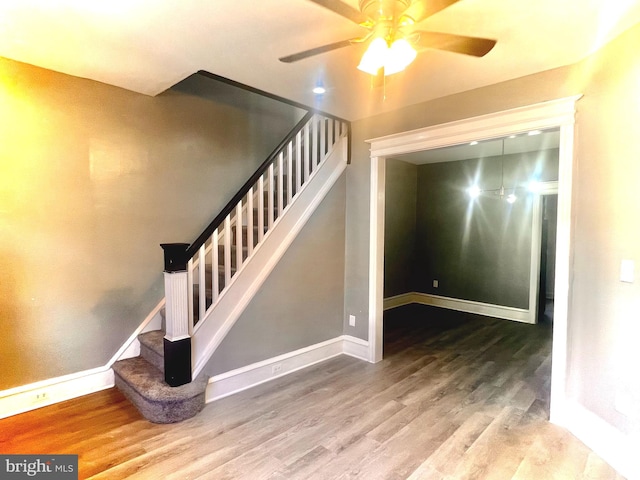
210	331
234	381
131	348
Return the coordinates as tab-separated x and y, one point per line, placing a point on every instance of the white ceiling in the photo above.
149	45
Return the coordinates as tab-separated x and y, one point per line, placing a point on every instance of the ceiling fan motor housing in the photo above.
383	10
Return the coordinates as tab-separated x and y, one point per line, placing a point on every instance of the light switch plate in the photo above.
627	271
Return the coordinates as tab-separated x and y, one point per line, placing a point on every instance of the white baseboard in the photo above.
615	447
235	381
41	394
467	306
399	300
47	392
355	347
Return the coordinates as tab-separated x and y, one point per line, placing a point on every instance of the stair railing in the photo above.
220	252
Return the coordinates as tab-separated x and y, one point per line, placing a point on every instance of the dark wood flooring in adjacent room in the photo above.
456	397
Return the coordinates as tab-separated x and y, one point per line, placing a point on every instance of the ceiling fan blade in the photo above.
318	50
477	47
422	9
347	11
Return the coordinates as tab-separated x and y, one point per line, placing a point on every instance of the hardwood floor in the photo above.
456	397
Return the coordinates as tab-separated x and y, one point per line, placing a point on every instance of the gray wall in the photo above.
480	249
302	300
603	325
93	179
400	227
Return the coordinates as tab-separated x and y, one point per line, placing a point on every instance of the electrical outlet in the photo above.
276	369
435	284
41	396
352	320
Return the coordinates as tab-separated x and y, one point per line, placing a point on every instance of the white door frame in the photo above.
557	113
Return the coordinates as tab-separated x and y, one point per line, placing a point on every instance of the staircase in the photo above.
226	265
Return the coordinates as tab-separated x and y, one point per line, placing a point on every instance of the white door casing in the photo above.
556	113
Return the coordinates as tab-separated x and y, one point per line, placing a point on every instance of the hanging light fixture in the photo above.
475	191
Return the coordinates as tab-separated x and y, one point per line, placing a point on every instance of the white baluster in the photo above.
314	150
202	283
239	236
332	129
215	263
323	138
289	172
270	197
227	251
189	294
298	161
260	208
280	187
250	222
307	149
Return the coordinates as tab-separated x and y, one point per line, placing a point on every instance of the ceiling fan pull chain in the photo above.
384	88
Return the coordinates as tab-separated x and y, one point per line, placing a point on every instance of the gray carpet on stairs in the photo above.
144	385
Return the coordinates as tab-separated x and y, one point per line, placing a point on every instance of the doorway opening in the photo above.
547	257
558	113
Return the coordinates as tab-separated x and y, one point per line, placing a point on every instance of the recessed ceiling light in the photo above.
473	143
534	132
319	90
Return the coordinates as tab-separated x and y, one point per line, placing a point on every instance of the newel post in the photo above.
177	342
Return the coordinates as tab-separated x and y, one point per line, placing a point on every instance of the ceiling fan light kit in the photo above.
392	59
393	43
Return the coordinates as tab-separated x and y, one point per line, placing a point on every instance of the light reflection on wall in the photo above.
92	179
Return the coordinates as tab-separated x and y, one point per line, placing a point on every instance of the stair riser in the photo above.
152	357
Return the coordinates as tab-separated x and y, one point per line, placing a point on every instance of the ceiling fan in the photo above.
393	40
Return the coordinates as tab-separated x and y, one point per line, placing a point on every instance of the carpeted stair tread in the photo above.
149	382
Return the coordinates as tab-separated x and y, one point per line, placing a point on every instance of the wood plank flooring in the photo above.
456	397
